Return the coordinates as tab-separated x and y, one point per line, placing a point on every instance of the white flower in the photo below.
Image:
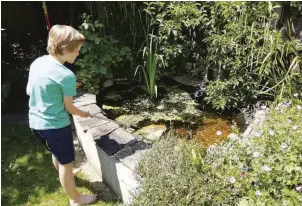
284	203
296	94
295	127
283	146
236	158
256	154
232	180
218	133
266	168
281	111
263	107
271	132
258	193
299	107
277	108
258	133
299	188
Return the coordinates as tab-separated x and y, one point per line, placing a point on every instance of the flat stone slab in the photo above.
121	136
102	130
92	122
115	141
112	152
84	99
91	108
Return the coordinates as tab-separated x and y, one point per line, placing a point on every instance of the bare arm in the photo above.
68	103
27	90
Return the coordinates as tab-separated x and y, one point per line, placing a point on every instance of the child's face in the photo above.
71	56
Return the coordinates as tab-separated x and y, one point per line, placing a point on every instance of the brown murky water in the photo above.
212	130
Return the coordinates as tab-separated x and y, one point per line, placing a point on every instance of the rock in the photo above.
152	132
108	83
244	118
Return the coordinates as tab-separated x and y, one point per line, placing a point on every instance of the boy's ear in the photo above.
65	52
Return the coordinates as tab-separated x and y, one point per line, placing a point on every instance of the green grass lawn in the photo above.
28	176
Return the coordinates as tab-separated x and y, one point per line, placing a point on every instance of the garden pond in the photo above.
175	111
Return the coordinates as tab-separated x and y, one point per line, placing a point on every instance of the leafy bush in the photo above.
265	169
235	47
178	29
99	55
257	62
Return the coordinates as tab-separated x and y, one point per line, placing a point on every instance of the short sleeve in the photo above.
68	86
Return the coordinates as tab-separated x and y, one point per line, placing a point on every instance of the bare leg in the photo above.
68	183
56	164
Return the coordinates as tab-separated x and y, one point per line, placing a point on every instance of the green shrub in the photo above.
178	30
248	56
100	55
181	173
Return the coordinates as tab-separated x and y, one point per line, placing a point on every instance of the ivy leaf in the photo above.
97	40
102	70
85	25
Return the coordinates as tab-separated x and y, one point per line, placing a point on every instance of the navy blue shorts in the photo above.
59	142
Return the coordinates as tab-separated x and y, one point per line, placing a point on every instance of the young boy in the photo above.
51	87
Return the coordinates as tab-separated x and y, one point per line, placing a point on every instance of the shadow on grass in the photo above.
28	174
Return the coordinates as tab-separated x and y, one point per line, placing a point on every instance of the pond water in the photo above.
122	102
212	129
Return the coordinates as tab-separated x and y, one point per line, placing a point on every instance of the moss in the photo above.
114	110
176	105
113	96
132	119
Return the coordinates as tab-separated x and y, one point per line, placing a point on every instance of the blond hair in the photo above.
62	37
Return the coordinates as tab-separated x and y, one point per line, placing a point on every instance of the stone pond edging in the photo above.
114	153
110	150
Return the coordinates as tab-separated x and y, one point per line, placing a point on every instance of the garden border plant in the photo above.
263	169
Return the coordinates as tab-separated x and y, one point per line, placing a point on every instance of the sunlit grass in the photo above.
28	176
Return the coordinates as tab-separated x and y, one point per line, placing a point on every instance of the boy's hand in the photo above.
86	114
68	103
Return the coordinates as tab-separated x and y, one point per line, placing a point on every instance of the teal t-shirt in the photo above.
48	82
